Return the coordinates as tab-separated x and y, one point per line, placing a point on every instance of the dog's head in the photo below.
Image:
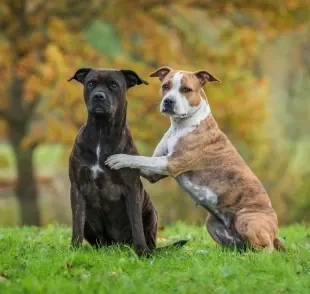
105	89
181	91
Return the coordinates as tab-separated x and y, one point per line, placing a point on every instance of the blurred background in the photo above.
260	50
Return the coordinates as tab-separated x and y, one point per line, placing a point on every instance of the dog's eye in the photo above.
90	84
186	90
114	85
165	87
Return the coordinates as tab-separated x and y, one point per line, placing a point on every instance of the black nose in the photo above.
99	96
168	102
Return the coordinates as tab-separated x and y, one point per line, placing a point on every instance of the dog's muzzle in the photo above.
100	104
168	105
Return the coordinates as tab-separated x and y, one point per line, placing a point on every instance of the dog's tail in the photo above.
177	244
278	245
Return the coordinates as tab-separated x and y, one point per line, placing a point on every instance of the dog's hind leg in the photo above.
222	235
258	229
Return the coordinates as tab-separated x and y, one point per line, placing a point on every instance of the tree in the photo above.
34	40
43	43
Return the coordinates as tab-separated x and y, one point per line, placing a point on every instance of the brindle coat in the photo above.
108	206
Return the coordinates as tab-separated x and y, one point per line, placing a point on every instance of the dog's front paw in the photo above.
143	252
76	242
118	161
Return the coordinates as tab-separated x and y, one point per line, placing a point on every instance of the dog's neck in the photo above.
198	114
108	128
105	136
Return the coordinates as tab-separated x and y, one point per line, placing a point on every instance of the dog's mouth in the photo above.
172	113
101	112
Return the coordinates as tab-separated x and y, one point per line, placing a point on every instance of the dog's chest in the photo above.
175	135
96	167
96	181
105	186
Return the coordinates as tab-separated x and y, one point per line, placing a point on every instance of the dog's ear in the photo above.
132	78
80	75
204	76
161	72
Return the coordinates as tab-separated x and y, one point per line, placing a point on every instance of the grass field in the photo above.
39	261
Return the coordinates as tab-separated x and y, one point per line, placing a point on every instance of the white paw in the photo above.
118	161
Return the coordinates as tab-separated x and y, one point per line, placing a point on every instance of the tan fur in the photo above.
207	155
206	165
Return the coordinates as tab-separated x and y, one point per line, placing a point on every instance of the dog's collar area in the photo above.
201	113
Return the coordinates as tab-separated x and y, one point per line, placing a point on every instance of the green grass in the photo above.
39	261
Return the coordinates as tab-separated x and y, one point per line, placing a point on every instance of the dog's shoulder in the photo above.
73	158
79	135
127	145
200	137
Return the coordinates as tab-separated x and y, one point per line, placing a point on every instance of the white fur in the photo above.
160	150
181	127
156	165
225	235
201	194
194	117
181	103
229	237
162	147
176	135
96	168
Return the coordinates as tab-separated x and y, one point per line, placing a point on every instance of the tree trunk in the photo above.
19	118
26	190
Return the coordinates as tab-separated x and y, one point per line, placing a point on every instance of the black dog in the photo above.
108	206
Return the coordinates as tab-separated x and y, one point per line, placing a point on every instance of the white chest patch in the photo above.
182	127
96	169
176	135
202	195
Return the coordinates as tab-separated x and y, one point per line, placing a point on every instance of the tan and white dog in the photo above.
206	165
